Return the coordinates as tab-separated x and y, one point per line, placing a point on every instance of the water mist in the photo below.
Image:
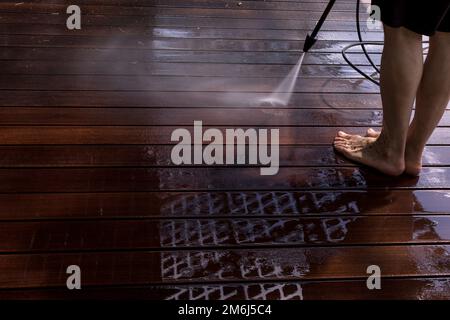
282	94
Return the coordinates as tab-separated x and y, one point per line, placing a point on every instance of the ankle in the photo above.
393	158
396	165
392	149
390	152
414	150
415	139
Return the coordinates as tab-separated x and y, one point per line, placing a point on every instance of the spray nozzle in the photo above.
311	39
309	42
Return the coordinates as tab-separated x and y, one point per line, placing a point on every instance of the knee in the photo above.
401	35
441	40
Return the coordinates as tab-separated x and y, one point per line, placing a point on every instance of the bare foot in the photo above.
357	142
413	155
369	151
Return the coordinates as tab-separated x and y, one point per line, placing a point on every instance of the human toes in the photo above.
372	133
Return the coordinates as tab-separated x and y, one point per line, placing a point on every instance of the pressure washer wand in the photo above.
311	39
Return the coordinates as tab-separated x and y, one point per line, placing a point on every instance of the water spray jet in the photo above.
282	94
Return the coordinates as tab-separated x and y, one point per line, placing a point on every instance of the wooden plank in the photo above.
133	268
213	51
74	135
138	23
181	84
221	204
244	5
332	57
65	236
11	7
84	47
393	289
216	52
204	179
30	98
186	116
159	156
30	34
34	67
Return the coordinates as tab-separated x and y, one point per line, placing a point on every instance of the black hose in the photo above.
362	44
344	54
358	29
310	40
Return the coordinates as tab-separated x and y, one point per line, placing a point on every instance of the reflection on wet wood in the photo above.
221	204
46	236
393	289
166	267
168	179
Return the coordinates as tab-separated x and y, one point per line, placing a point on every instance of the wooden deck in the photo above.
86	177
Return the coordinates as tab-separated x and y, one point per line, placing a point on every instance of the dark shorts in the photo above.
423	17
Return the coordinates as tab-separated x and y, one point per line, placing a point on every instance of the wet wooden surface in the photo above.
86	177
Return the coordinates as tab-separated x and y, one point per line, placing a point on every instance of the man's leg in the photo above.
432	99
401	71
